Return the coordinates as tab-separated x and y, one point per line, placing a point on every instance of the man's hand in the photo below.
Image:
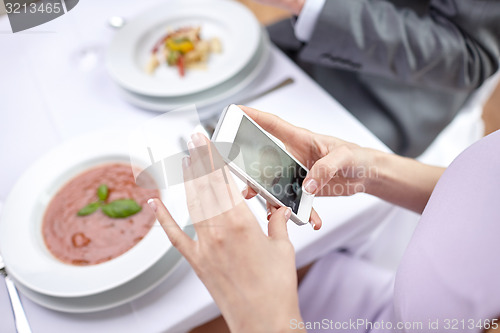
293	6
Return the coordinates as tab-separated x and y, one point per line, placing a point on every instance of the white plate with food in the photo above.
76	224
212	40
122	294
210	96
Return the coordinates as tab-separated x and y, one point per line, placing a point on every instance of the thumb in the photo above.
321	173
277	223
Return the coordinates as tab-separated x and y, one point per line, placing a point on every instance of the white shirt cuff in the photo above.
306	21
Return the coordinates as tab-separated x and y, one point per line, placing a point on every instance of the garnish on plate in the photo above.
183	48
120	208
84	224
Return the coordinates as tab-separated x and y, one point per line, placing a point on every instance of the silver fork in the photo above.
22	324
210	123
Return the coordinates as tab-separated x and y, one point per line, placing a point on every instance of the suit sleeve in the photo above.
456	44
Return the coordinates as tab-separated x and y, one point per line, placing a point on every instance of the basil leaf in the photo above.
121	208
103	192
89	209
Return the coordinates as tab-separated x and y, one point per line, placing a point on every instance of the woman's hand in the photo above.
339	168
251	276
336	167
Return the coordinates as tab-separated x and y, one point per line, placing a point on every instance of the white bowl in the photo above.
21	241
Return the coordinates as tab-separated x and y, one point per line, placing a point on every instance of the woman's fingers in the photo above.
201	160
322	172
177	237
201	201
273	124
248	193
270	210
193	200
224	190
210	189
315	220
277	223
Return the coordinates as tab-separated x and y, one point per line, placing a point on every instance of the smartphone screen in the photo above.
267	163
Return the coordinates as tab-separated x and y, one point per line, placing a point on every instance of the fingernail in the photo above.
288	213
186	162
190	145
152	204
310	186
313	224
198	139
268	214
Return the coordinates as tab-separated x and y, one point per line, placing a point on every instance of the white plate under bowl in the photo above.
120	295
130	49
210	96
21	240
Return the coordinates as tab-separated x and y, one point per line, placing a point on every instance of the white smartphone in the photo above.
257	159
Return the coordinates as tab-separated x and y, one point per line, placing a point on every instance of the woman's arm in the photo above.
402	181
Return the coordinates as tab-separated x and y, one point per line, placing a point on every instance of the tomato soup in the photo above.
96	237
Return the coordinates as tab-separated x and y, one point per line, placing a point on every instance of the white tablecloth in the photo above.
50	93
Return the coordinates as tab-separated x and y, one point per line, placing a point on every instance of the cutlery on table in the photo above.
22	324
210	123
277	86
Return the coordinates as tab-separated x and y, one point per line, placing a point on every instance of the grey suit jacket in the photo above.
403	68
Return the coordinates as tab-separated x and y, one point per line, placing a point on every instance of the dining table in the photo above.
54	87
